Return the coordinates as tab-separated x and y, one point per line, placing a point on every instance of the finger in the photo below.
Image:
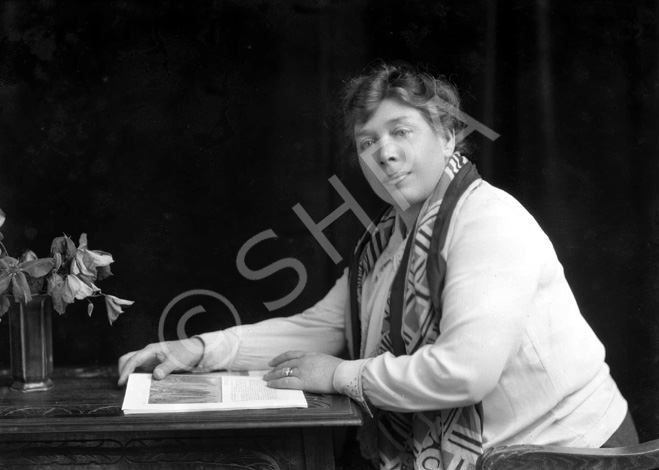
293	383
165	368
280	372
126	367
123	359
134	361
287	356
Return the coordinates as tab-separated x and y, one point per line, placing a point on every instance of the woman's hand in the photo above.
302	370
162	358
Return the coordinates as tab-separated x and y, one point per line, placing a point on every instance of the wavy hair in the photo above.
436	98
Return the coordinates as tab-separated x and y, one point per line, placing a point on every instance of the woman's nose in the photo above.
389	153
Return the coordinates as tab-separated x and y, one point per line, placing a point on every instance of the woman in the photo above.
462	330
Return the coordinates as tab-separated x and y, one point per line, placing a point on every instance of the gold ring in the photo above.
288	371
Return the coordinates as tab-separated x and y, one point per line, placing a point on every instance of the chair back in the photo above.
643	456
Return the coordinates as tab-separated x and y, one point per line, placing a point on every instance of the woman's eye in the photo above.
402	132
366	144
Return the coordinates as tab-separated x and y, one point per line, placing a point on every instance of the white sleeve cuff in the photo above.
347	381
220	348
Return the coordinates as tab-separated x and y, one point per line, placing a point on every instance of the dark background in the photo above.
172	132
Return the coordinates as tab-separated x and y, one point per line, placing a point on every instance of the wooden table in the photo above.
80	423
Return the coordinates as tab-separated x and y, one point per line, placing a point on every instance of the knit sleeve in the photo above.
318	329
494	261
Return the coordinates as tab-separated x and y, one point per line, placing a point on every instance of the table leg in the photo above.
318	448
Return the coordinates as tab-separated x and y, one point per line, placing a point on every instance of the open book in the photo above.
204	392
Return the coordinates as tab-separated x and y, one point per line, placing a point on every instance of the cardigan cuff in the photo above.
347	381
220	348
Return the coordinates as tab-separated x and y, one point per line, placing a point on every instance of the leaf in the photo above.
103	272
58	245
83	264
63	245
73	268
54	282
7	262
82	242
28	255
4	305
99	258
38	267
57	257
114	306
90	309
70	248
55	289
20	288
58	301
68	294
5	279
74	288
2	218
89	281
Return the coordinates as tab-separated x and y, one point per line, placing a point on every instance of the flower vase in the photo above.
31	344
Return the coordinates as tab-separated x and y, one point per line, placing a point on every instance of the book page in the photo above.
202	392
246	389
186	389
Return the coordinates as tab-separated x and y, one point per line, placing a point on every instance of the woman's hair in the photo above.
436	99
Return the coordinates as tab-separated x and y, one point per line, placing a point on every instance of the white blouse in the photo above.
512	336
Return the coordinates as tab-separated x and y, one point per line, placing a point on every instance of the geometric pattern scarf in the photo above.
435	439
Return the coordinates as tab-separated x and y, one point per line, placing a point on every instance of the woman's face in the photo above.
401	155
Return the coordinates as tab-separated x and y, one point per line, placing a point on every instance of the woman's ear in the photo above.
448	143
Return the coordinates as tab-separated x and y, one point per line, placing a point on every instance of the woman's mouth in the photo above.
396	178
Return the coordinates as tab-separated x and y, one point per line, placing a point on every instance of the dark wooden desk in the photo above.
80	423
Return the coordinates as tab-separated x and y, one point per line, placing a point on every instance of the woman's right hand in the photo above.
162	358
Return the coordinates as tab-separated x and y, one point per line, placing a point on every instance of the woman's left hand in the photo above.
302	370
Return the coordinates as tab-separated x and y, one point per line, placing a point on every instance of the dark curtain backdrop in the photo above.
173	132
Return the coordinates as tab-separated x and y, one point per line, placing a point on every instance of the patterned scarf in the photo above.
436	439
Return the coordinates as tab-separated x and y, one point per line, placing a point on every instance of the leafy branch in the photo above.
69	274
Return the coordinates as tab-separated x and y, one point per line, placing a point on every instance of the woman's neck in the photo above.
408	217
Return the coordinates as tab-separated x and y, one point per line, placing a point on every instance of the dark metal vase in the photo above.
31	343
